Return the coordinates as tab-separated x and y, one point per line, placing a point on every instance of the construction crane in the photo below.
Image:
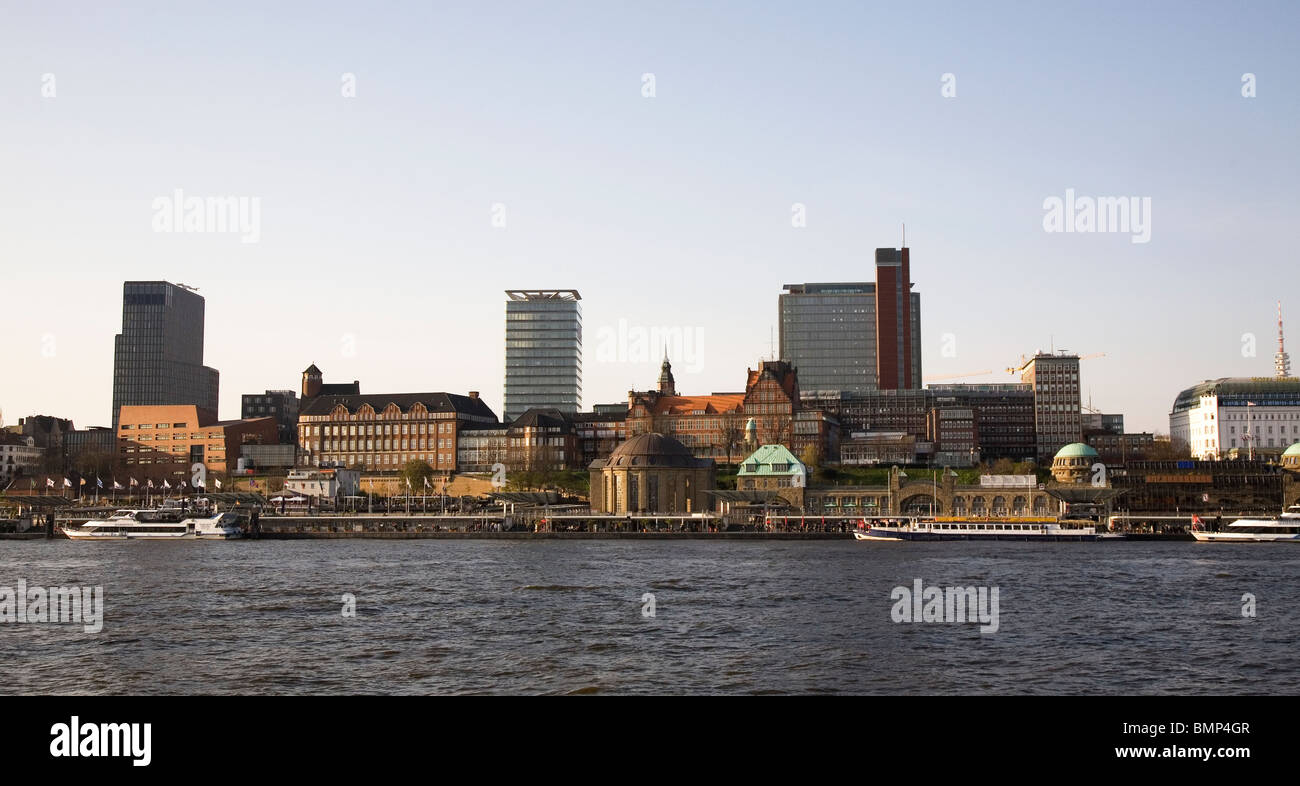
957	376
1014	369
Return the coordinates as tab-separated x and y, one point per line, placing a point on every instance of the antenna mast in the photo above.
1281	361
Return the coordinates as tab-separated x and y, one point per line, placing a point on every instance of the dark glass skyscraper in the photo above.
828	332
543	350
855	337
158	356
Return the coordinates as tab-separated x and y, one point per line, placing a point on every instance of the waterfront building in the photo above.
934	492
19	457
158	356
652	473
481	447
1074	463
326	483
543	439
773	468
855	337
1054	378
383	431
279	404
543	351
1254	416
1204	487
164	442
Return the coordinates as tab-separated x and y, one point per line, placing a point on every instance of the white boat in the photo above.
1250	530
160	524
989	529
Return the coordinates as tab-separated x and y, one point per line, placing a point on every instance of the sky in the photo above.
410	162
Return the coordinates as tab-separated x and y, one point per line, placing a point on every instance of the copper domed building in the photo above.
651	473
1073	463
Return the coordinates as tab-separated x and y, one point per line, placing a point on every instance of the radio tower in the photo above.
1281	361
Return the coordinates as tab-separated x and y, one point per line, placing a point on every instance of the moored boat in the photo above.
168	523
1030	529
1253	530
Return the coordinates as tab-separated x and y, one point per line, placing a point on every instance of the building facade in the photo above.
543	351
933	492
158	356
713	426
1058	421
381	432
898	322
954	434
1254	416
1004	414
323	483
279	404
828	332
164	442
19	457
652	473
855	337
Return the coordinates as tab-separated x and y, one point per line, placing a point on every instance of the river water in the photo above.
561	617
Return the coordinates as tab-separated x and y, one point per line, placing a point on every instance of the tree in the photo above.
92	463
414	473
1003	466
732	434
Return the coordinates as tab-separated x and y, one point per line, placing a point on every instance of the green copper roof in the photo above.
770	460
1077	450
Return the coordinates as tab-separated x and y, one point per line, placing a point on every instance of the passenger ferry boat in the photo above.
1283	528
1035	529
168	523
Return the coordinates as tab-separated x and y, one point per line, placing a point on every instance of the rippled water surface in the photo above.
730	617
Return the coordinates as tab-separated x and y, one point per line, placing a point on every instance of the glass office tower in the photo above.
543	350
828	332
158	356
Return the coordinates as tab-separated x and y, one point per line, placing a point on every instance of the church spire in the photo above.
667	385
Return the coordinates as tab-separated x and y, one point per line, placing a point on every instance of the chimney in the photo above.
473	394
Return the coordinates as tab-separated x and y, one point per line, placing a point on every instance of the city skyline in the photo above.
381	241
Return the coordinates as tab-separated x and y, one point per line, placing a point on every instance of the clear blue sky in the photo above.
672	211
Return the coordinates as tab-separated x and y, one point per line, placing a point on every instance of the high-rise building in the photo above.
828	332
1058	419
543	351
158	356
855	337
898	322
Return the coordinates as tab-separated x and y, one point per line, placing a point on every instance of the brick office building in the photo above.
163	442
